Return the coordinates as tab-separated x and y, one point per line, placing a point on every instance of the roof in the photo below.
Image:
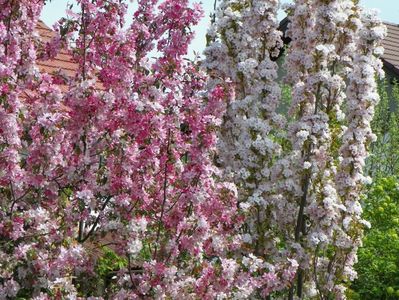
63	63
390	44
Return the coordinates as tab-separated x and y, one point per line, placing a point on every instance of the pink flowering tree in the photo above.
116	159
17	74
299	191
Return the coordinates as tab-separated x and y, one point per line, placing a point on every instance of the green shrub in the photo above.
378	265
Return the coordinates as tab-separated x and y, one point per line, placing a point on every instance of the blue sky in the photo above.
389	11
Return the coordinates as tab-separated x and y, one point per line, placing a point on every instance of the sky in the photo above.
389	11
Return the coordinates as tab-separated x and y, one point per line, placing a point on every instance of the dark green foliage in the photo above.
384	158
110	262
285	99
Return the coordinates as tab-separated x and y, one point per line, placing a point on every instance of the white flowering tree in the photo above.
243	44
299	181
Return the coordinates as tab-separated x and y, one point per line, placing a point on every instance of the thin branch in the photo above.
96	221
315	259
165	182
14	200
130	268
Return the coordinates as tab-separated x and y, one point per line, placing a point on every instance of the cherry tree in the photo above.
245	44
323	61
300	190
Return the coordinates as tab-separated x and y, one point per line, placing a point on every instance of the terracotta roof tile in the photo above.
63	63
